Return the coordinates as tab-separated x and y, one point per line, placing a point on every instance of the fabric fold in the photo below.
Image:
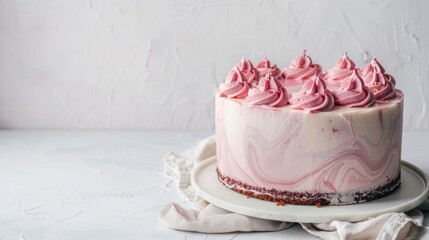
207	218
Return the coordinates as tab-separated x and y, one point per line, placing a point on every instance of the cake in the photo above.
300	136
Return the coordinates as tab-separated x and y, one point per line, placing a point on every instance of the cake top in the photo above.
303	85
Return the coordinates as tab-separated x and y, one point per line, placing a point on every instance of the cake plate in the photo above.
412	192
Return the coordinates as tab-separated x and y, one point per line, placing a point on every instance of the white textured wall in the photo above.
155	64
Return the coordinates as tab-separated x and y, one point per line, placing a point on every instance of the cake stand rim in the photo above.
204	180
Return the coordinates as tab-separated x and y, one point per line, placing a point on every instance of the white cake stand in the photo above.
412	192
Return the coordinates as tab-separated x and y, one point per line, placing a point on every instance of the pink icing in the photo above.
249	73
268	92
234	86
300	69
381	84
344	68
265	67
374	65
344	81
353	92
313	96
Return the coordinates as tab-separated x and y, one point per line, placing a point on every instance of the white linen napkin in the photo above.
208	218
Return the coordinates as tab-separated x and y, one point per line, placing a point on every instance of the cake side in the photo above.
343	151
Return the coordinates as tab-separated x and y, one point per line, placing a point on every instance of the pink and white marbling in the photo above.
343	151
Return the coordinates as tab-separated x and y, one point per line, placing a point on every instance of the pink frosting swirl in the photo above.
374	65
249	73
264	67
380	83
234	86
300	69
353	92
246	69
344	68
268	92
314	96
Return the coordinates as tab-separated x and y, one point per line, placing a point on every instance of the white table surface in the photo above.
109	184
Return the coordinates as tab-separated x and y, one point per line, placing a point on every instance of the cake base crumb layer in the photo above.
307	198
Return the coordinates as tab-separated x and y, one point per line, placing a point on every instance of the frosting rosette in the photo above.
300	70
353	92
235	86
313	97
265	67
342	69
380	83
268	92
373	66
248	72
